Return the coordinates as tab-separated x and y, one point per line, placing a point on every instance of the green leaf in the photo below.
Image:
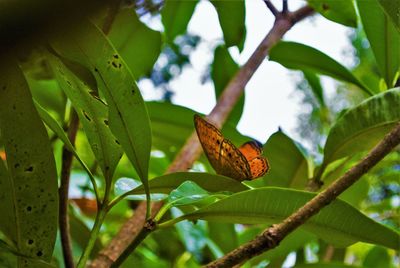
48	94
289	167
92	114
392	10
193	236
298	56
209	182
231	15
377	257
316	87
325	265
56	128
294	241
80	233
224	235
340	11
222	70
383	38
7	204
339	223
137	44
175	16
128	118
189	193
33	175
363	126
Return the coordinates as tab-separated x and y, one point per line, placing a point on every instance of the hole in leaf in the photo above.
29	169
86	115
39	253
106	122
30	241
28	208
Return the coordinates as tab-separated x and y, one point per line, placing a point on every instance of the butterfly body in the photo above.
243	163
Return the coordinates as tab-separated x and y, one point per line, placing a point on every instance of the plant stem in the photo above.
144	232
93	236
63	219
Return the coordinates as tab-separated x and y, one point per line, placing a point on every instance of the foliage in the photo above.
125	144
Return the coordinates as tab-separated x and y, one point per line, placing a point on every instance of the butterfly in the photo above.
243	163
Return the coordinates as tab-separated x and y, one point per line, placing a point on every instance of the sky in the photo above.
270	97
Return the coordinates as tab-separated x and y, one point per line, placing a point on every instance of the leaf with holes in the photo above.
128	117
31	166
92	112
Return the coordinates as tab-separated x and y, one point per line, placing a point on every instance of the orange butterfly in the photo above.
245	163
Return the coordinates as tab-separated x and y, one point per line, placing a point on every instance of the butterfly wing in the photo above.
252	151
223	156
258	167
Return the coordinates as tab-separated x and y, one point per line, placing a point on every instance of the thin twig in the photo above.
272	8
284	6
63	220
192	149
271	237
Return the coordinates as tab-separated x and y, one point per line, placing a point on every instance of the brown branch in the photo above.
272	8
271	237
285	8
192	149
63	220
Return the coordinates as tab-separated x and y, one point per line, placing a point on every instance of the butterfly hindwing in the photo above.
251	149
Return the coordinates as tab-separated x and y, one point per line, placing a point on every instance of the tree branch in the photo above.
272	8
192	149
271	237
63	220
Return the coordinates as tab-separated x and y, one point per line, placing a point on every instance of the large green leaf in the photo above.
128	118
33	177
392	9
138	45
92	113
361	127
298	56
339	223
56	128
289	167
175	16
7	203
377	257
340	11
316	87
224	235
294	241
231	15
383	38
209	182
222	70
